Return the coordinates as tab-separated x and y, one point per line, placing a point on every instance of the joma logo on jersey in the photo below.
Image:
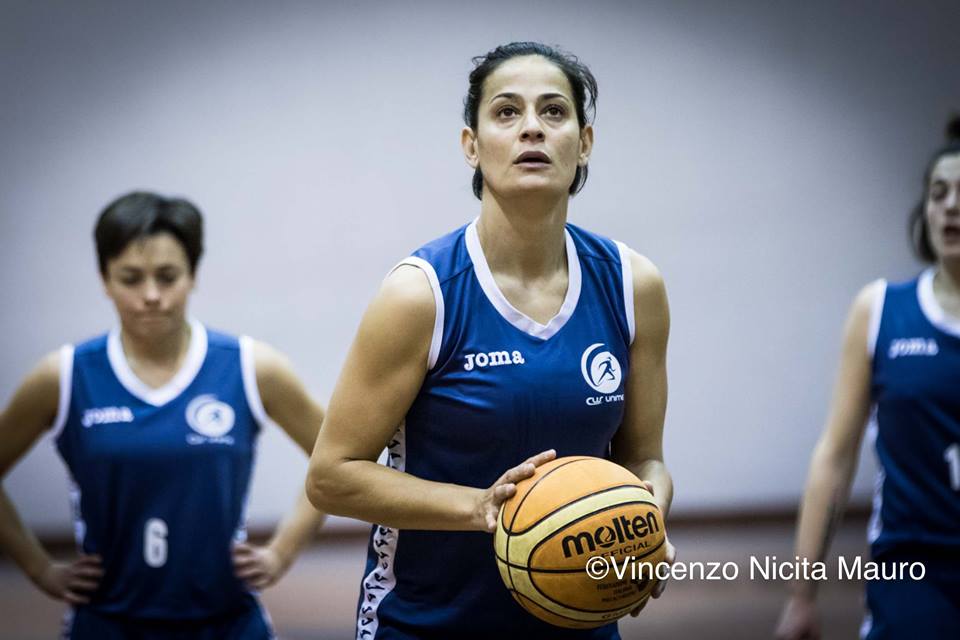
106	415
492	359
912	347
620	531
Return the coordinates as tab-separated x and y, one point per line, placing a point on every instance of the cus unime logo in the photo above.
211	418
601	370
912	347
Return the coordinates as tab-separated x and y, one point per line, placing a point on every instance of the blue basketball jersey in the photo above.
160	475
500	387
916	424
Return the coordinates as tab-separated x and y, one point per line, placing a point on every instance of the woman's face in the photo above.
943	207
528	138
149	283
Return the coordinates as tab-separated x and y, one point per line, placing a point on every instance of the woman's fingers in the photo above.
88	571
75	598
542	457
527	468
250	573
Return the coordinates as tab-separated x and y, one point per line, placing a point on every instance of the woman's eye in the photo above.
937	191
507	112
554	111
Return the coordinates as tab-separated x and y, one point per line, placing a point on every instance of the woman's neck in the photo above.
166	351
946	286
524	238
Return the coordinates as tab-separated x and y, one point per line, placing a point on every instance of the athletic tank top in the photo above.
160	475
500	387
916	420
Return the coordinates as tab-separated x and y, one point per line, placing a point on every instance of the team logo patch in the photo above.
209	417
600	369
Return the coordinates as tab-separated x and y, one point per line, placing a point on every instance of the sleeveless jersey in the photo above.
916	420
500	387
160	476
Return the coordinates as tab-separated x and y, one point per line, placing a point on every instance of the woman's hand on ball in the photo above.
505	487
669	558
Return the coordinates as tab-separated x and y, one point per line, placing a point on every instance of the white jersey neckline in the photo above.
931	308
157	396
510	313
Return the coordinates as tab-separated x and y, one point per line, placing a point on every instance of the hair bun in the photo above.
953	128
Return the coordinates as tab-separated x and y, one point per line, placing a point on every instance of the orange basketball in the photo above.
571	510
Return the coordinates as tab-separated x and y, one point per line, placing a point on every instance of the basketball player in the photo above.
900	366
487	349
157	423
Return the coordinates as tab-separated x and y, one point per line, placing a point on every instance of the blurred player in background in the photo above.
157	422
899	371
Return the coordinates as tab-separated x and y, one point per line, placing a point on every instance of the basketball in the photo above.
571	510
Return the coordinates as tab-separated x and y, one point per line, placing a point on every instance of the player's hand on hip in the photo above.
505	488
71	582
799	620
258	567
668	559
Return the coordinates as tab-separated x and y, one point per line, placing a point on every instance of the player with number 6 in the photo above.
157	423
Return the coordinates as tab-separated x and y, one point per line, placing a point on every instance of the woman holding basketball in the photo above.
516	338
157	423
901	366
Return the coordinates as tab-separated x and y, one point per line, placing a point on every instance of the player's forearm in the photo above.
824	500
656	472
371	492
19	542
297	530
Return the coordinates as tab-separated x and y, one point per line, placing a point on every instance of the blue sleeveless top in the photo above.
160	476
916	420
500	387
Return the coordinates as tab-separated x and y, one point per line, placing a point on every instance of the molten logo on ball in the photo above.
622	531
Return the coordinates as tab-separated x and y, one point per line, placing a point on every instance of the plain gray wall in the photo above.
764	155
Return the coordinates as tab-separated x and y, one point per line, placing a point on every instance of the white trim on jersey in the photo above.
196	353
932	309
248	370
437	337
866	626
66	388
515	317
876	313
626	269
378	584
875	525
79	524
248	373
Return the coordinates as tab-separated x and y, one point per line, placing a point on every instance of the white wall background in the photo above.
764	155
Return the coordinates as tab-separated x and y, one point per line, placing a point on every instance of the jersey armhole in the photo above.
876	313
248	370
626	271
66	386
437	337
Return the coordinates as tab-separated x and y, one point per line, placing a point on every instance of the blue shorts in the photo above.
927	609
249	623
